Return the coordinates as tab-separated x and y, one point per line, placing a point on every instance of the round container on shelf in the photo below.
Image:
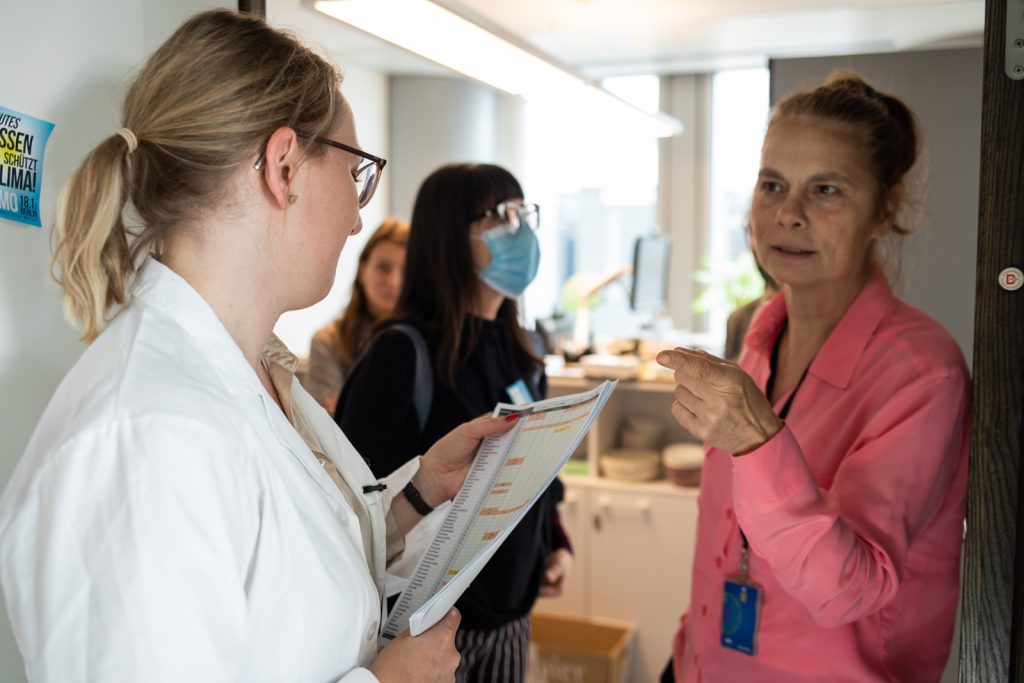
604	366
642	432
683	463
631	439
631	464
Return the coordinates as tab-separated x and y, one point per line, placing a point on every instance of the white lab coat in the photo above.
167	523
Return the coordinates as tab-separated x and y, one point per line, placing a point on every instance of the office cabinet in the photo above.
634	551
633	542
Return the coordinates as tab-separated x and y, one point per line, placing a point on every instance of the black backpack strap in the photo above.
539	348
423	376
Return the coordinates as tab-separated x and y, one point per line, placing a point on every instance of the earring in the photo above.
292	198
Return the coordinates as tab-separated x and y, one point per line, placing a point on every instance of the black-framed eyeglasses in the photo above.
366	177
515	215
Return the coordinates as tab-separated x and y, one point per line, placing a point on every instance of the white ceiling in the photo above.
600	38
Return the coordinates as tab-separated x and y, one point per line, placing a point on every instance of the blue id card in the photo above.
519	393
741	609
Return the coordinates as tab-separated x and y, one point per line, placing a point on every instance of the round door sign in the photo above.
1011	279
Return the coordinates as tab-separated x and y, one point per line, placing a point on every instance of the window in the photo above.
739	114
597	185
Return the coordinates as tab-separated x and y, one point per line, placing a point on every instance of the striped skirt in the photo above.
495	655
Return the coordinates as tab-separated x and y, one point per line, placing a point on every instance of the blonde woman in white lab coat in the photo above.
185	511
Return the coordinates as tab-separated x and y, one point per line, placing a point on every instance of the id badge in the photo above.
741	610
519	393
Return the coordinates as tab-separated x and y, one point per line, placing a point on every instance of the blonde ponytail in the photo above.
91	256
188	125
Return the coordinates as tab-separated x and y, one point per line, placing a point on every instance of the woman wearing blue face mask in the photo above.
472	251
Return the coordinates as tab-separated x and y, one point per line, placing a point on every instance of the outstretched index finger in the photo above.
684	360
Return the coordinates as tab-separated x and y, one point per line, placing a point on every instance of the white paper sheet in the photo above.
509	474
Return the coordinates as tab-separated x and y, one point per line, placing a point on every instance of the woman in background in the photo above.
336	347
472	253
832	499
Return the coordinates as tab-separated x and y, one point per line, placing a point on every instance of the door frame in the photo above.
992	642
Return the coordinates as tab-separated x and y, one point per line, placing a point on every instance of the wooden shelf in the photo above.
659	486
580	383
631	397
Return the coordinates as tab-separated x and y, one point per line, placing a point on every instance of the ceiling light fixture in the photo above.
442	36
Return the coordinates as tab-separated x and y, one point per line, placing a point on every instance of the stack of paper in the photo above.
509	474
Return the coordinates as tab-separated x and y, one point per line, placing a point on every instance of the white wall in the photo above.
435	121
70	63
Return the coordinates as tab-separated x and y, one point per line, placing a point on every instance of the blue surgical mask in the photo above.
515	257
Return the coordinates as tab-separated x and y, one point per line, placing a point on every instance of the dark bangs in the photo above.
493	185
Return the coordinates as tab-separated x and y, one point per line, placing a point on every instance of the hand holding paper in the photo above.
429	658
445	465
509	474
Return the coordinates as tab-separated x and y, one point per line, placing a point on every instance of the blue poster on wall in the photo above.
22	144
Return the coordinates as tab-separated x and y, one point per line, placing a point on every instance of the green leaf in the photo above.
727	284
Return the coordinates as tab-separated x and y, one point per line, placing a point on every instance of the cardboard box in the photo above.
568	649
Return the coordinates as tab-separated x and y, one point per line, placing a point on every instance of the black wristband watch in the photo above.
412	495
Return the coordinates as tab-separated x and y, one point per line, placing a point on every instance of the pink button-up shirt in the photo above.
854	511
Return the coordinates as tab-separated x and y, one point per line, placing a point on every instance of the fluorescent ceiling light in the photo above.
439	35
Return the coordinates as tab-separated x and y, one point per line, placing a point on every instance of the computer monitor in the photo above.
650	273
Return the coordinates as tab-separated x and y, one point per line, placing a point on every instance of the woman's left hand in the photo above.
559	565
718	402
444	467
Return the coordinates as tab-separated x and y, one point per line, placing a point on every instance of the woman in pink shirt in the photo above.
833	494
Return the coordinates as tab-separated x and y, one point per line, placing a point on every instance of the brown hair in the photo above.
890	126
441	282
204	103
356	322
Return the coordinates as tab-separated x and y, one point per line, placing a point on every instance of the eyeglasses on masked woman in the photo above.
514	214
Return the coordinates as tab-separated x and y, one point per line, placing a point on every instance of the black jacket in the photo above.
376	413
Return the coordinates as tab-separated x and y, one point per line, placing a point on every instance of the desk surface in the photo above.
572	377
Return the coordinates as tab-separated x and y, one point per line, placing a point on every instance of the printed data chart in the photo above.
525	473
509	474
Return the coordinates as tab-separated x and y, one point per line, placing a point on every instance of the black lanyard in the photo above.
785	406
